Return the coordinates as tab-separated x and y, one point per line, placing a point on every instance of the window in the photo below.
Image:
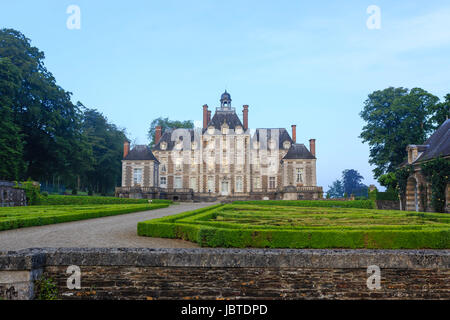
257	182
299	175
194	183
163	168
137	176
178	183
163	181
211	186
239	185
178	163
272	183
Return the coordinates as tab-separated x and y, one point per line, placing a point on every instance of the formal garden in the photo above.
304	224
50	209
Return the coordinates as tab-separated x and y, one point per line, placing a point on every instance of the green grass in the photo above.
22	217
293	226
85	200
366	204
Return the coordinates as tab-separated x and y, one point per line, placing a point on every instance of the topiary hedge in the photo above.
363	204
85	200
248	228
22	217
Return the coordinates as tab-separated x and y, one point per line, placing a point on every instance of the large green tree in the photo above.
106	150
165	123
11	145
43	111
395	118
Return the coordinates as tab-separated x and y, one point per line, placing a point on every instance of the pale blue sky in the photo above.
310	63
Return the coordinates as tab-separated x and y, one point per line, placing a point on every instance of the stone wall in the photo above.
229	273
10	196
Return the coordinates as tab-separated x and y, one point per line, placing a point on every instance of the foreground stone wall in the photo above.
229	273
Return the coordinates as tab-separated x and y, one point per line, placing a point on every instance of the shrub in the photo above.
85	200
22	217
270	226
364	204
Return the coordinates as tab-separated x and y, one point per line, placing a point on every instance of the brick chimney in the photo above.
312	147
126	148
209	116
294	133
245	117
205	116
158	133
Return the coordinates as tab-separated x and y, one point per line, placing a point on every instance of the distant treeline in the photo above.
43	135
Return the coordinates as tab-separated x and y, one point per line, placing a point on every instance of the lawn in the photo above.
22	217
83	200
265	225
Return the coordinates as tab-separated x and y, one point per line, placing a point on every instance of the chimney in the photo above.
245	117
312	147
126	148
158	133
205	116
294	133
209	116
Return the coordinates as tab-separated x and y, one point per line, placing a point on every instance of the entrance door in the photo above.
225	188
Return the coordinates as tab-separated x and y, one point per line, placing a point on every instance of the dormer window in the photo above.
239	130
272	144
286	145
211	130
225	128
163	145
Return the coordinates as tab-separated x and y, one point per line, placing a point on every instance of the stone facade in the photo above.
225	159
418	189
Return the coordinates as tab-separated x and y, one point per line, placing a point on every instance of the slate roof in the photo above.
283	135
141	152
167	138
438	144
298	151
228	117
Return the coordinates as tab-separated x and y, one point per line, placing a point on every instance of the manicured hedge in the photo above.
201	226
364	204
22	217
85	200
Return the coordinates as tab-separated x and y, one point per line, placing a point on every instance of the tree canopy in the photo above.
43	135
395	118
350	184
165	123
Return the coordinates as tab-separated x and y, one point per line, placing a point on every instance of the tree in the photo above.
105	141
351	181
11	144
336	190
43	111
165	124
395	118
441	111
389	180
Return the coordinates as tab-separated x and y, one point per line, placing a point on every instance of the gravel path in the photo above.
108	232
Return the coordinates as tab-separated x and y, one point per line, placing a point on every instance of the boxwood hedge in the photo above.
202	226
84	200
22	217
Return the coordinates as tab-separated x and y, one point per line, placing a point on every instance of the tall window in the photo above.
299	175
257	183
211	187
163	182
178	182
163	168
137	176
193	183
272	183
239	184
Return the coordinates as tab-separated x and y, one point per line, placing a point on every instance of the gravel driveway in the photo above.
108	232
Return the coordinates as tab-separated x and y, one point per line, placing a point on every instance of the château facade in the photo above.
223	159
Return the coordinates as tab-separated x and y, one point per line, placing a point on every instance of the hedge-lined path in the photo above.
108	232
